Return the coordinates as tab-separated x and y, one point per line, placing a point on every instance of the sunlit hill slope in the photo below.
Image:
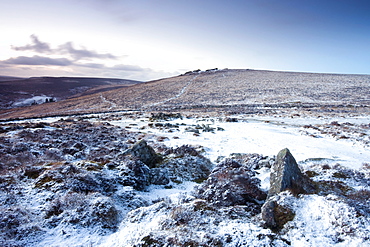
245	91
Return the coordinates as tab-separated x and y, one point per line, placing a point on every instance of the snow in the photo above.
175	194
326	221
35	99
143	221
265	136
263	175
319	220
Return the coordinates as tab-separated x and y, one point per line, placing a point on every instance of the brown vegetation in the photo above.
233	91
56	88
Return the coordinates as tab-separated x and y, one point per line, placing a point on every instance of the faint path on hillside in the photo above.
182	91
113	105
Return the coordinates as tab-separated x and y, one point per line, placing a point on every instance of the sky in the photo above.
151	39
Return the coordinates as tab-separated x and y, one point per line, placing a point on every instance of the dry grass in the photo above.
230	90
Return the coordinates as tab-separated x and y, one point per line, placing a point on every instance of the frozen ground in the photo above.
325	219
264	135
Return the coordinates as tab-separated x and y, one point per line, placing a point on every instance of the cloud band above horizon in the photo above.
66	55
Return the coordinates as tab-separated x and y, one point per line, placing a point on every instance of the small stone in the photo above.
276	215
268	213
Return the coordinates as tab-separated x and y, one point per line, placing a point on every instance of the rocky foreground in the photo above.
75	182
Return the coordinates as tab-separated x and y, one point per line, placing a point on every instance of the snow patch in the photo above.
265	136
34	100
326	221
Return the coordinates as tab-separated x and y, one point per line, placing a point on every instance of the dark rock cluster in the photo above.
93	176
83	173
161	116
144	153
231	183
185	163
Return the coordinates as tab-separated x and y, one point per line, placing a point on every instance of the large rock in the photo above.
145	154
286	175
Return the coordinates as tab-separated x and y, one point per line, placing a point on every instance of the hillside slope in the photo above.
10	78
222	90
22	92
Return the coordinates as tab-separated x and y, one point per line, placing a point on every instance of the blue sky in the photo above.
146	40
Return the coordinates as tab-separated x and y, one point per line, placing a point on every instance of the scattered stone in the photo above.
250	160
286	175
185	163
164	116
194	130
135	174
96	191
188	168
162	138
231	120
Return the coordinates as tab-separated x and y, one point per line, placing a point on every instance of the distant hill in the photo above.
228	90
10	78
17	92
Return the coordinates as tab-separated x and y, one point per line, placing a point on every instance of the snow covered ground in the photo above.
264	135
320	220
33	100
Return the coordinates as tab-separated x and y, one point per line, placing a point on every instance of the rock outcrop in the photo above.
135	173
145	153
286	175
